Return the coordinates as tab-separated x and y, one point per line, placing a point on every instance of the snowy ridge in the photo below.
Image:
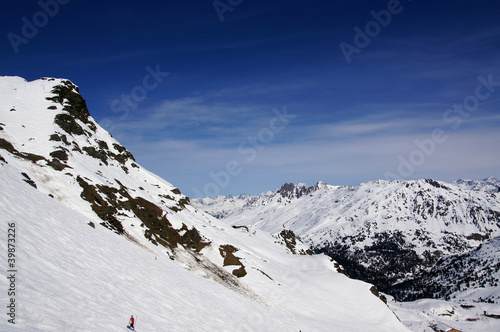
489	184
407	225
99	238
221	206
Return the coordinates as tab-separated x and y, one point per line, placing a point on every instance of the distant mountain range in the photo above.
383	232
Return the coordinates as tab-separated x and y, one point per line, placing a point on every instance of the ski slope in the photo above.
72	277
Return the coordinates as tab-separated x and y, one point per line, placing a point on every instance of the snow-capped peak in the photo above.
490	184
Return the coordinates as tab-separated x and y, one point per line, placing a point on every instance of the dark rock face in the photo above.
34	158
227	252
100	205
28	180
289	190
105	203
436	184
62	155
68	96
74	114
290	240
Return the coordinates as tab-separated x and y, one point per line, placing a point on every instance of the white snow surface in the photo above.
221	206
464	315
74	277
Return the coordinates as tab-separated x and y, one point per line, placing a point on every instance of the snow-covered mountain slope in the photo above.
489	184
73	277
63	178
439	315
222	206
381	231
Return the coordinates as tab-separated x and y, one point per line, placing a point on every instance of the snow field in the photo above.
464	316
72	277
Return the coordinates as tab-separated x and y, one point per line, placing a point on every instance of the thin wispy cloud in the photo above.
338	152
196	119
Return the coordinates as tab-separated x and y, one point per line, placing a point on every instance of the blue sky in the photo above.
240	96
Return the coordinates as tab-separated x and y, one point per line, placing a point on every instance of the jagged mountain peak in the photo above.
290	190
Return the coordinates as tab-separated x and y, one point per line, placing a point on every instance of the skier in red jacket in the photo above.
131	322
